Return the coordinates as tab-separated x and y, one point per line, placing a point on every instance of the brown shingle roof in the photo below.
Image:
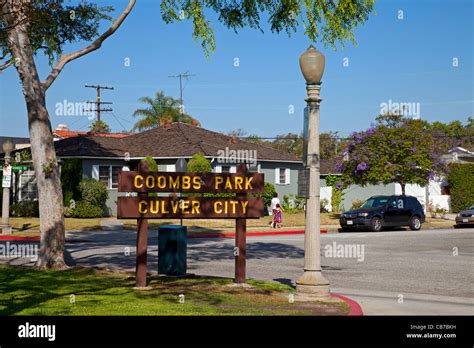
173	140
328	166
90	146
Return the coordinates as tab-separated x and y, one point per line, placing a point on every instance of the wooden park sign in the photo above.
143	207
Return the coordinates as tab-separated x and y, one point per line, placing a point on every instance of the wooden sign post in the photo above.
144	207
240	237
142	240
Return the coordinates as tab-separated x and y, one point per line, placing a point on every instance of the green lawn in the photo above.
30	226
79	291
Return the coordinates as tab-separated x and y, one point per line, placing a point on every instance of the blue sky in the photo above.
402	60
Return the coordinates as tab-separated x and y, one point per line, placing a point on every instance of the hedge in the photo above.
84	209
461	185
93	192
25	209
71	175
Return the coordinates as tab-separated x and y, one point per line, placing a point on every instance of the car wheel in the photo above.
415	223
376	224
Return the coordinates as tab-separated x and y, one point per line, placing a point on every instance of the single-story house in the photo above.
103	157
18	142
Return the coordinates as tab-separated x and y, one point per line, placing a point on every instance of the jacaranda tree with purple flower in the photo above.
404	154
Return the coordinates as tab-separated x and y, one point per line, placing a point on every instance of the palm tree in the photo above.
160	110
104	127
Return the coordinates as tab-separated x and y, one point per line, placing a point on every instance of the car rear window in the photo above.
413	202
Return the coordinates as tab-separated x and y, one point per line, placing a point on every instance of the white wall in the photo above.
325	192
413	190
435	196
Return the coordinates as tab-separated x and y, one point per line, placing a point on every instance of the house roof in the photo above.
63	134
328	166
461	150
15	140
168	141
90	146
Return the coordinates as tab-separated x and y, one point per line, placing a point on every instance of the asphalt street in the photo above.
390	272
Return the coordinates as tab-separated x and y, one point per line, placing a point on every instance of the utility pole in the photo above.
185	75
98	102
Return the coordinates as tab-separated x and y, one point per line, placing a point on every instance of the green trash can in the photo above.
172	250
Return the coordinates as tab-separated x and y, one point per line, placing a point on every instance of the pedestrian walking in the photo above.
277	216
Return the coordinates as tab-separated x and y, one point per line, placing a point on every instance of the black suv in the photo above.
385	211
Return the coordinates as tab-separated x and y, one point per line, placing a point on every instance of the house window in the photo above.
282	176
28	187
104	174
108	175
171	167
114	181
225	169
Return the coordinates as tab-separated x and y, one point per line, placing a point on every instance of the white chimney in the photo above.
62	127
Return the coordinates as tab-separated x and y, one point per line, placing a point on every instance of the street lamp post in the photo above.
6	228
181	166
312	285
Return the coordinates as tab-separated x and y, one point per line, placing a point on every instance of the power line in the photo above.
113	114
342	138
124	119
98	103
185	75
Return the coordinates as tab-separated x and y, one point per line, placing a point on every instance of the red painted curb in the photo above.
354	308
249	234
19	238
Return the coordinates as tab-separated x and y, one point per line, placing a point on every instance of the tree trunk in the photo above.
403	188
51	254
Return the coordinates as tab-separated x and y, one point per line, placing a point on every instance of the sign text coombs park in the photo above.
142	207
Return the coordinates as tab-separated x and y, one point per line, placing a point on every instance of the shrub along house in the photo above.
23	180
102	158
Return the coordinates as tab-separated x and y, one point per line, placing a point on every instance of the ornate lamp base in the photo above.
5	229
312	286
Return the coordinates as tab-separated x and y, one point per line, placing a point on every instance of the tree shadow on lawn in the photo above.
28	288
24	227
